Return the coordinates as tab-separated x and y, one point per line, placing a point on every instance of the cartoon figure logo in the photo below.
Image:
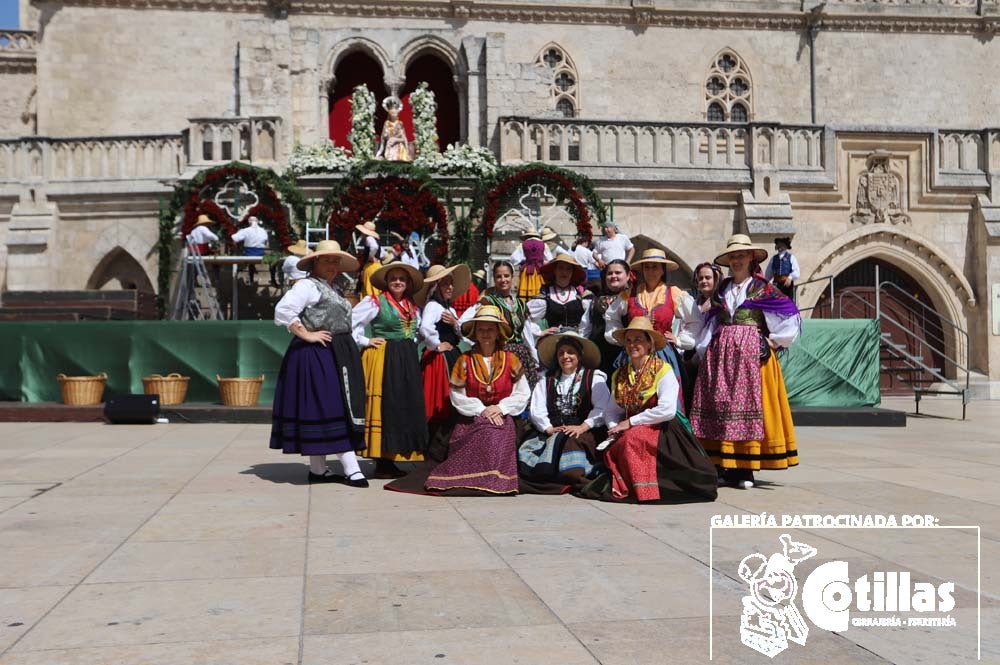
770	618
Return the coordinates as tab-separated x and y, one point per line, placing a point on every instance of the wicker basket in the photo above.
82	390
239	391
171	388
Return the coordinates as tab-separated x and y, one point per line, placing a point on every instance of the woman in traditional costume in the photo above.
563	303
567	413
371	257
740	409
441	335
521	341
529	258
614	280
668	307
319	401
395	418
704	285
653	456
488	388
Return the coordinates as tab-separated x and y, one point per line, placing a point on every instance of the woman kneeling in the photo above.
654	455
488	387
567	412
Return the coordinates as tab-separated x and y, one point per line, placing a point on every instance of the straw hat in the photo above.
526	235
487	314
654	255
368	228
298	249
548	270
645	325
203	220
460	274
740	243
590	355
480	275
548	234
328	248
388	255
416	279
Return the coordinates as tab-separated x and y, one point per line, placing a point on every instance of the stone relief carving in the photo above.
879	198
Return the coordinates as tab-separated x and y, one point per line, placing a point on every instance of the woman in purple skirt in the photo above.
319	401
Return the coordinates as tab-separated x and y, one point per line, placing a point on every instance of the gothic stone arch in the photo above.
121	266
950	292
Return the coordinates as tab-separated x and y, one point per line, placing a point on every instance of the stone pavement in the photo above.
195	544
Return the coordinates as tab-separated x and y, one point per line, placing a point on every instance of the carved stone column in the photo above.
325	90
474	130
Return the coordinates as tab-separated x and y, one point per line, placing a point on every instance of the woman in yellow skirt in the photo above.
740	411
395	422
529	259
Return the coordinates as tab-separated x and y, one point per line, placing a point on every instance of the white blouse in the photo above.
202	235
600	397
665	409
364	313
304	293
784	329
290	267
428	323
688	319
537	308
511	405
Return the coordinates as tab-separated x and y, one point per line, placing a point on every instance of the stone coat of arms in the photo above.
879	193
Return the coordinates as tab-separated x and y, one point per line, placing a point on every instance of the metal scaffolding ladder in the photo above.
316	233
197	298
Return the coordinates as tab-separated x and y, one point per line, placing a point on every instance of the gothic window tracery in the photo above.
565	86
728	89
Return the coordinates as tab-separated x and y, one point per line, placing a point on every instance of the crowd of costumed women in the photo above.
575	372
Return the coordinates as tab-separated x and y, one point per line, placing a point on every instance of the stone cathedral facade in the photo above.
867	130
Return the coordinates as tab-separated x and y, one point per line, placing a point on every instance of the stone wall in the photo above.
17	102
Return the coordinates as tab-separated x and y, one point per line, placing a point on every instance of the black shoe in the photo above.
357	482
328	477
387	470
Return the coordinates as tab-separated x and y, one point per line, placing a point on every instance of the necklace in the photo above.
568	400
630	384
406	312
560	295
487	377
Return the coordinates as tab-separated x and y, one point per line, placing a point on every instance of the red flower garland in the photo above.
269	209
403	204
530	176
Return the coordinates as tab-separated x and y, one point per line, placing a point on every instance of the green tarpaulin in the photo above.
835	363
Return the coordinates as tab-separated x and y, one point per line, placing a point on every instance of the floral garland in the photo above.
193	198
362	134
321	157
561	183
400	203
425	125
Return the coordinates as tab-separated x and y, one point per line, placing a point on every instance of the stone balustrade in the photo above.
964	151
38	159
220	140
18	41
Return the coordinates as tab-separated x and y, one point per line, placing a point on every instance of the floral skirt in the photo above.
727	394
528	363
776	449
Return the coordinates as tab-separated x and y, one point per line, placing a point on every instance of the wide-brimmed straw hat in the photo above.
740	242
203	220
590	355
480	274
654	255
526	235
328	248
460	274
487	314
368	228
548	234
301	248
416	279
548	271
645	325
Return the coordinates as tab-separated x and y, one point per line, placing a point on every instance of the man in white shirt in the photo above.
254	239
613	245
783	268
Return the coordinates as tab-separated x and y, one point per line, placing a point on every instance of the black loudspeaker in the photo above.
132	409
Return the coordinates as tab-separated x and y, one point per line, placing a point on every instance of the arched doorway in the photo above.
353	70
918	329
681	278
119	266
440	79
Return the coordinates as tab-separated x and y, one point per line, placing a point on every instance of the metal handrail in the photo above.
829	279
928	308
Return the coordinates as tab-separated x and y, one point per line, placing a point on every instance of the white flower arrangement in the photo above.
362	135
321	157
425	125
466	161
